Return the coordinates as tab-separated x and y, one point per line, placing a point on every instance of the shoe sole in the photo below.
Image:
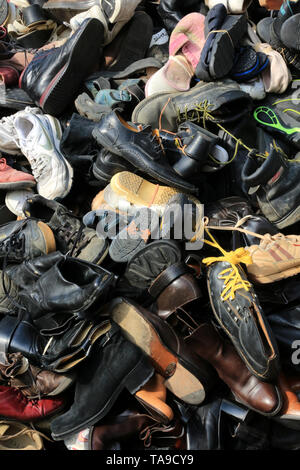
62	88
223	48
139	191
18	185
124	246
155	412
48	237
275	277
137	329
151	261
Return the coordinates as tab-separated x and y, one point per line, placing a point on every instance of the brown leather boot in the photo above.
132	423
153	397
262	397
33	381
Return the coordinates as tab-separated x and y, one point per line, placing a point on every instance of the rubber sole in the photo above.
151	261
138	330
139	191
83	57
18	185
223	48
275	277
290	219
135	236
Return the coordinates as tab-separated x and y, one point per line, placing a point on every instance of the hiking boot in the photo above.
39	140
278	115
218	102
53	78
275	258
14	405
70	234
25	239
11	179
140	146
33	381
129	369
275	182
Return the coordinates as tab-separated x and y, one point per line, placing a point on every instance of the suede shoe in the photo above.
129	369
140	146
216	102
12	179
54	76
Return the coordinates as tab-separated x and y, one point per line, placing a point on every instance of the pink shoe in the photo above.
13	179
174	76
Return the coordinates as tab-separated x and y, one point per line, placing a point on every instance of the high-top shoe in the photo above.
71	236
275	181
54	76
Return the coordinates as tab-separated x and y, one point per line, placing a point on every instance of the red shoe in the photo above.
14	179
14	405
9	74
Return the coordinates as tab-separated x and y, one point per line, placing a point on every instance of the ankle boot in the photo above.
275	181
264	398
153	397
99	386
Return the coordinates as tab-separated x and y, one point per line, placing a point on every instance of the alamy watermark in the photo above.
179	222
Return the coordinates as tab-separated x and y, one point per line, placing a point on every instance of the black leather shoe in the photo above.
107	165
54	76
71	285
115	364
140	147
172	11
238	312
70	234
275	182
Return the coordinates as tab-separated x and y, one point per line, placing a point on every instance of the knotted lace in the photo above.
232	278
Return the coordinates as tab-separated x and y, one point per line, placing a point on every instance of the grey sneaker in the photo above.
214	101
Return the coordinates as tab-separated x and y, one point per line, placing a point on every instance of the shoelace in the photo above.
74	236
231	276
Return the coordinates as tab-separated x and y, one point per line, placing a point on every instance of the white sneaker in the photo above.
39	139
14	201
9	141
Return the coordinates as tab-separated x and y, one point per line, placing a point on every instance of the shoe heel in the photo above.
139	375
186	386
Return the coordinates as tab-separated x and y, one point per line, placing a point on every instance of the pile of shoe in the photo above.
149	225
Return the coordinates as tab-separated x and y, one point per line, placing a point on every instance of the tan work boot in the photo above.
276	257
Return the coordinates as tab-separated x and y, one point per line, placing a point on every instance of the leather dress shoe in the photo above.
107	165
262	397
53	78
14	405
141	147
71	285
290	413
241	316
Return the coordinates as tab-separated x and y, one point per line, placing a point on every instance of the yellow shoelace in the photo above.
231	276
